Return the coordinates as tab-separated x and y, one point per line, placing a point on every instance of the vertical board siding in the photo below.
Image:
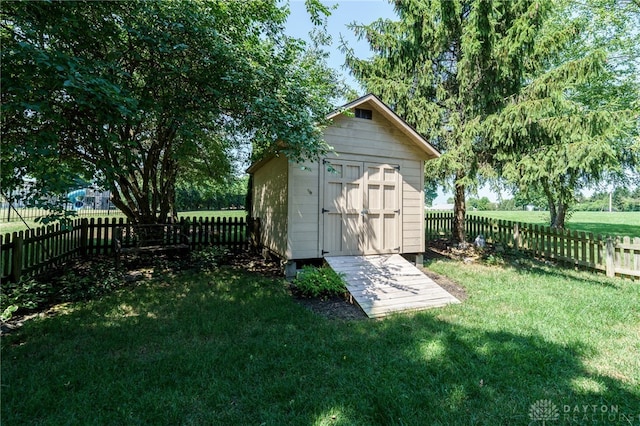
34	251
270	204
304	209
612	255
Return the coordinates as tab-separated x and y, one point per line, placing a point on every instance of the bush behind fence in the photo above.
34	251
612	255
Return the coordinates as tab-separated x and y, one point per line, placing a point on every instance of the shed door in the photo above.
381	218
360	211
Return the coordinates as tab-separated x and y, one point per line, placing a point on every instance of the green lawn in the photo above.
16	226
605	223
233	348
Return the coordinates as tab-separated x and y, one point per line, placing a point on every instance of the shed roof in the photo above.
386	112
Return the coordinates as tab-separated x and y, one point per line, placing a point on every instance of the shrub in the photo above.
77	283
94	280
209	258
26	294
319	282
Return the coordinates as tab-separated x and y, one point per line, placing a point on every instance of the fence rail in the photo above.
612	255
31	252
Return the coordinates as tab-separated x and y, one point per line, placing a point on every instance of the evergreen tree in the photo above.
445	66
575	121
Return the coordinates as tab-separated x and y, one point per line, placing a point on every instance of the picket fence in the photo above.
31	252
612	255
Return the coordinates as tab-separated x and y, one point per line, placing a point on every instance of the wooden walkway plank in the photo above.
384	284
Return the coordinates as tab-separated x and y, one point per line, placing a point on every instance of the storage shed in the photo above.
365	197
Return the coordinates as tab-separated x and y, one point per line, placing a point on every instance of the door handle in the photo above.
364	211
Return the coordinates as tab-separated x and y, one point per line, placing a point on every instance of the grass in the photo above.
605	223
230	347
16	226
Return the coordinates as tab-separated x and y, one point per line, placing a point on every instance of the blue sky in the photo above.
346	12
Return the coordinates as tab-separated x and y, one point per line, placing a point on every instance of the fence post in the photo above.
610	259
516	236
84	237
16	257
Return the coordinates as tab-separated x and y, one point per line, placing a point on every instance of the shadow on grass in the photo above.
566	272
232	348
612	229
522	262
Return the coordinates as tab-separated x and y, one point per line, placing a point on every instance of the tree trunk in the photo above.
459	211
145	191
561	215
553	212
557	206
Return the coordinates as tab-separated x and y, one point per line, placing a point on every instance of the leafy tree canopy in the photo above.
576	120
136	94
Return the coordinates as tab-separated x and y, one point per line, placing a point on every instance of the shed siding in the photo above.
270	196
304	210
377	137
412	207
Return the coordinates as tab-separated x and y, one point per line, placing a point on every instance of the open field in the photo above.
605	223
231	347
16	226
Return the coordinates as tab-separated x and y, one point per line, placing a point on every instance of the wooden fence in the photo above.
612	255
33	251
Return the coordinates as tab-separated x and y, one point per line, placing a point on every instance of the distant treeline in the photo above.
230	194
622	200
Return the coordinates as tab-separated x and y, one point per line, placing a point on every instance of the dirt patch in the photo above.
253	262
335	308
451	286
343	308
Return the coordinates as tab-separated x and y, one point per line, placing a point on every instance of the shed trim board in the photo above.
374	205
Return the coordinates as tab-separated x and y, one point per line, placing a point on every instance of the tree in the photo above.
135	94
229	192
444	66
575	121
430	193
481	203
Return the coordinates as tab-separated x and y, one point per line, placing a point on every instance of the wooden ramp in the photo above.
384	284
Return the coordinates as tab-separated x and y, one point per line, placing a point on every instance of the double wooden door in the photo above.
361	208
